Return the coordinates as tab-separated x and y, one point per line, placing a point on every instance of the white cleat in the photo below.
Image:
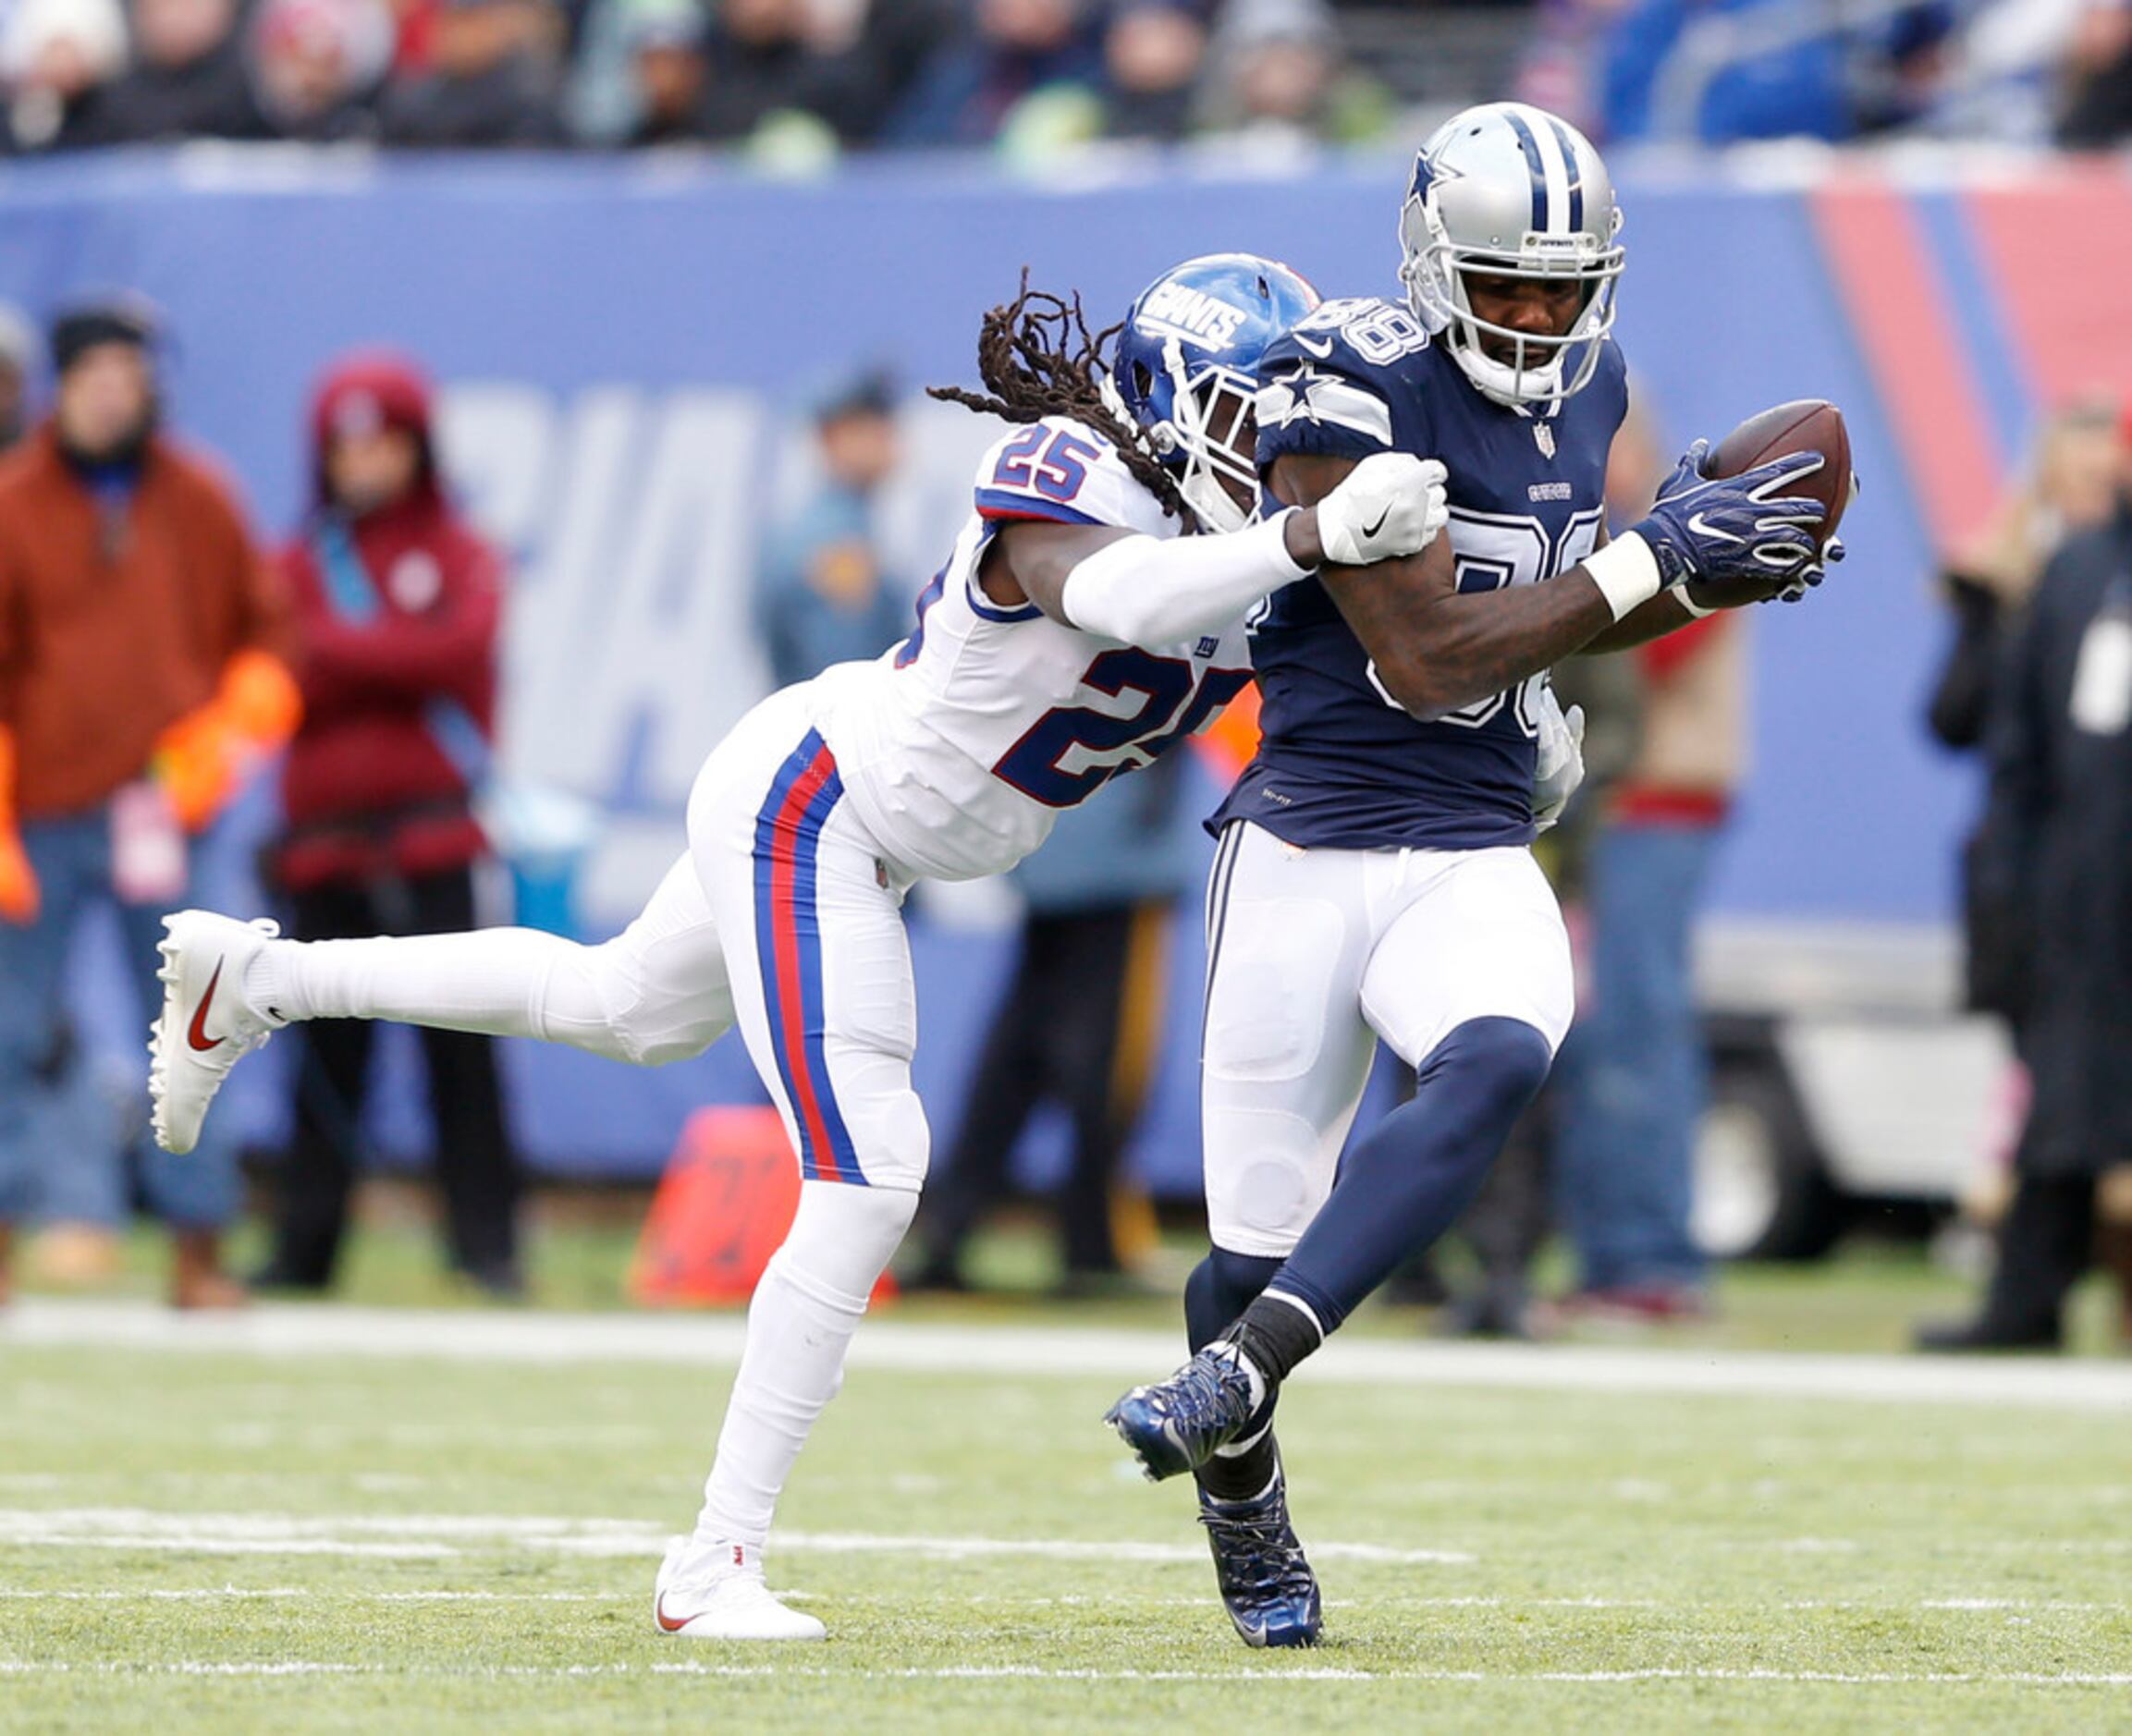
714	1591
206	1025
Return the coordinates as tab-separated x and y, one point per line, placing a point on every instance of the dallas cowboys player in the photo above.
1373	878
1072	635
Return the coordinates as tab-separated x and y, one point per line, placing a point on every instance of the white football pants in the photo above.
1315	954
784	917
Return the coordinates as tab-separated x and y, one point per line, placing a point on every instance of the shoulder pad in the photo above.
1063	471
1328	385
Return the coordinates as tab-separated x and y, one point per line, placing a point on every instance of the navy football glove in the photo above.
1833	551
1740	533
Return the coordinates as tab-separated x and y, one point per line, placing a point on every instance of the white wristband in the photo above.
1626	573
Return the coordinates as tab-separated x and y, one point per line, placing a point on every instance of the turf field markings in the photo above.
1010	1600
426	1534
311	1332
1037	1672
308	1593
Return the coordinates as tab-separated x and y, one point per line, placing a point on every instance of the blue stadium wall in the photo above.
623	346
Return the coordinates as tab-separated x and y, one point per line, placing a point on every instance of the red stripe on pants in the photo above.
789	1031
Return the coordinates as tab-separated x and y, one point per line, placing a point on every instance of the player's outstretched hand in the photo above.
1742	538
1389	505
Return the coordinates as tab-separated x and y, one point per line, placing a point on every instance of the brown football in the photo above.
1807	425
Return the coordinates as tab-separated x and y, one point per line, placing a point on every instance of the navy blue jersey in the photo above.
1341	764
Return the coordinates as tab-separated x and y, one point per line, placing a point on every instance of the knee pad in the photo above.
1487	1070
1221	1287
606	996
881	1112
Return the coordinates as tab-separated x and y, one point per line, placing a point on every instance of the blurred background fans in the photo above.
678	270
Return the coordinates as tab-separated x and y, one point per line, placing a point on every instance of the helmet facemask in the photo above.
1210	435
1542	369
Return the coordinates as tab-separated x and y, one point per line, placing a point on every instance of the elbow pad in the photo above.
1150	592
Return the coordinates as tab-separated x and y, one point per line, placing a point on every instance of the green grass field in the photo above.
227	1542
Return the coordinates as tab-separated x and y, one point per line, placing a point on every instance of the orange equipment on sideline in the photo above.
727	1198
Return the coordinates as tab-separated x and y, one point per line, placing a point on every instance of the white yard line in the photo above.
1032	1673
273	1594
313	1331
426	1534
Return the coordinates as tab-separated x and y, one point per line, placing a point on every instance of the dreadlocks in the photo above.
1039	358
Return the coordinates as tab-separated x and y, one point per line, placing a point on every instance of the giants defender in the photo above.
1373	879
1072	635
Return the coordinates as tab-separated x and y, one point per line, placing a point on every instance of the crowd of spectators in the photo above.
1721	72
796	82
789	80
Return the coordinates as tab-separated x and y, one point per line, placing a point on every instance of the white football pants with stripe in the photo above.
784	917
1315	954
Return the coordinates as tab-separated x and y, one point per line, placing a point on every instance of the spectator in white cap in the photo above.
58	57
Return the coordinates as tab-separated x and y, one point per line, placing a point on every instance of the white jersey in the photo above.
958	748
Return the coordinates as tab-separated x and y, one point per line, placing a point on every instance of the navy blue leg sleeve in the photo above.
1405	1182
1221	1287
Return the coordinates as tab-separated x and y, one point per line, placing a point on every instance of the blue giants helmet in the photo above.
1184	370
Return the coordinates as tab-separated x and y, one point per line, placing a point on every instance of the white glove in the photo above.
1561	767
1391	504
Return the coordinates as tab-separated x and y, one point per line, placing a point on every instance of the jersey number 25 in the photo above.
1170	710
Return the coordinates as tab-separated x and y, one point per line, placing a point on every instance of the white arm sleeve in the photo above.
1153	592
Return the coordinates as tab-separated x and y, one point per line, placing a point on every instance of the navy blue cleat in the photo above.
1266	1582
1177	1425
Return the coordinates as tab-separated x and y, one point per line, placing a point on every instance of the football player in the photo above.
1073	634
1373	880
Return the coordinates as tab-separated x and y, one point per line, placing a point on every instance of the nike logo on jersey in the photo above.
196	1032
1319	346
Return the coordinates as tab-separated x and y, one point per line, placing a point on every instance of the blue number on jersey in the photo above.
1172	707
1340	764
1052	461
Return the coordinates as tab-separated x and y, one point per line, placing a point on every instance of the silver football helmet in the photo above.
1507	190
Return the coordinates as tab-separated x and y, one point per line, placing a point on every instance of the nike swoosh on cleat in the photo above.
196	1032
667	1623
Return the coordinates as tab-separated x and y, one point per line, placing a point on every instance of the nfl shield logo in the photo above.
1543	436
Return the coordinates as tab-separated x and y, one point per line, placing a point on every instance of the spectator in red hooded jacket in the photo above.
397	605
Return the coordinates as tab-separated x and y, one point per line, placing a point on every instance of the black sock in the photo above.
1276	1335
1241	1476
